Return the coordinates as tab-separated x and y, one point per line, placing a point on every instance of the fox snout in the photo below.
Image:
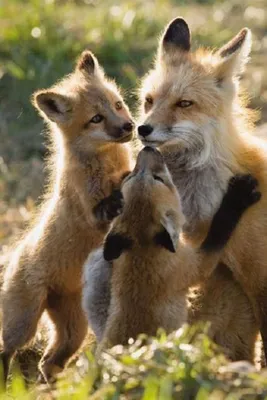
128	126
122	131
145	130
149	159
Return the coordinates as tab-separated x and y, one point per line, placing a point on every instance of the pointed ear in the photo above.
169	235
176	37
54	106
234	55
115	244
87	63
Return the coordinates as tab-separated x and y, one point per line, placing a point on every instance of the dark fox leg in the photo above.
22	308
241	194
70	330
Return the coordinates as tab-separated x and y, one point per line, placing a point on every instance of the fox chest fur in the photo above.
201	190
143	305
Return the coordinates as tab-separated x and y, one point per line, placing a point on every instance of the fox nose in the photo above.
128	126
145	130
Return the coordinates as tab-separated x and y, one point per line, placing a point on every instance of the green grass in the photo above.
184	365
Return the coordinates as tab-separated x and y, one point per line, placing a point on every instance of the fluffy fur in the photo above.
149	282
89	162
96	291
221	301
199	121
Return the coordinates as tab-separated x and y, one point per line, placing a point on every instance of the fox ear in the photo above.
87	63
176	36
234	55
115	244
169	235
54	106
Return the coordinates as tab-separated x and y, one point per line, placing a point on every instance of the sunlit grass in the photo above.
183	365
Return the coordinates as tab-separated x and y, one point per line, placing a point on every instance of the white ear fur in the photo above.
54	106
234	55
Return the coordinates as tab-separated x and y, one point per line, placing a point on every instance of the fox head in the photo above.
152	215
190	98
86	106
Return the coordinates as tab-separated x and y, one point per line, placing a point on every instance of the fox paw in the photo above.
110	207
242	191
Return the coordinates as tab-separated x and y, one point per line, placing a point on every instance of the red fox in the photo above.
149	282
89	123
193	112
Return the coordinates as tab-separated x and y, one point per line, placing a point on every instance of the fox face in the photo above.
152	214
86	106
190	98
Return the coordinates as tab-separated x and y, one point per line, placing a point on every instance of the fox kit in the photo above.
193	112
149	282
89	124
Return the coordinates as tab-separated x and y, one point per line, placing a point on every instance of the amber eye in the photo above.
97	119
184	103
118	105
149	100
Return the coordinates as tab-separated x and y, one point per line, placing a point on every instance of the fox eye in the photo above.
184	103
118	105
97	119
158	178
149	100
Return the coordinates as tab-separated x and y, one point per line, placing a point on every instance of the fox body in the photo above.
192	110
218	300
89	124
221	301
149	267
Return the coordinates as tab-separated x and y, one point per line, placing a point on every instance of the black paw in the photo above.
110	207
242	191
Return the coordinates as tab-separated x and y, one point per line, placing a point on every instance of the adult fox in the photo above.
193	112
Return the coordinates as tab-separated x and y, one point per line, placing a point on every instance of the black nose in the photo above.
145	130
128	126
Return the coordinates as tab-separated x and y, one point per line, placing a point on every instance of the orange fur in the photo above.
207	142
221	301
149	283
89	161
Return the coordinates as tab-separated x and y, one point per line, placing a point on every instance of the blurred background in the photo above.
39	42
